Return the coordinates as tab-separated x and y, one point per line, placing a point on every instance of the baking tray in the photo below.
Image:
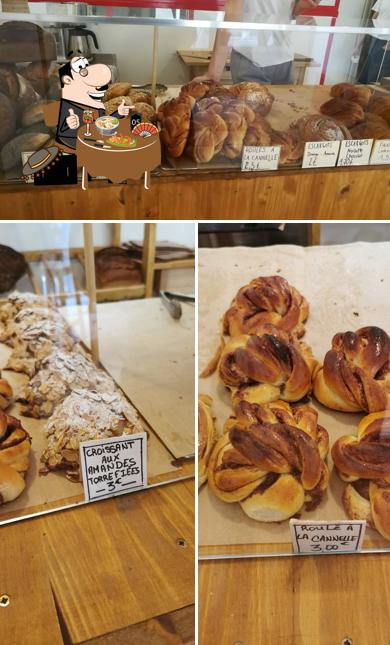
51	492
347	287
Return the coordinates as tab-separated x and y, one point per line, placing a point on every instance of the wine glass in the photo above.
87	119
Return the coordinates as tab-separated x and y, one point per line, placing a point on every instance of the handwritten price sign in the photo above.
321	154
327	537
114	466
381	153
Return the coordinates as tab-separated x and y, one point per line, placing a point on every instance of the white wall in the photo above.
36	236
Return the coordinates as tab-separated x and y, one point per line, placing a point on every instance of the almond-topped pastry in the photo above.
85	415
57	376
363	461
271	460
38	341
206	435
17	301
14	457
355	375
26	318
269	366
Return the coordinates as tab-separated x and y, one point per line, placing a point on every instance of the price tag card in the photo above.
321	154
355	152
313	537
255	158
114	466
381	153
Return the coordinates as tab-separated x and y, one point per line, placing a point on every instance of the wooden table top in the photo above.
108	567
295	601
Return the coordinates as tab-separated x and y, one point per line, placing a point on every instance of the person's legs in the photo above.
377	64
242	69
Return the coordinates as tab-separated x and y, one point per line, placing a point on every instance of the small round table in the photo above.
117	163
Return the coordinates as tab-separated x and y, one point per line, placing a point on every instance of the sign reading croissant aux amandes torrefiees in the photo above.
114	466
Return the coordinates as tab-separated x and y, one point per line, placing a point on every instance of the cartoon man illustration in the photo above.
83	87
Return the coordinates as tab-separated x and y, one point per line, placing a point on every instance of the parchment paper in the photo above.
347	287
45	492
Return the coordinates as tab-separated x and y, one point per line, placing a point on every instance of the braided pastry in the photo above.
258	133
14	457
257	96
175	117
272	364
198	89
208	132
291	146
360	94
206	436
319	128
237	116
381	107
355	375
346	112
266	300
373	127
212	103
5	393
271	460
364	462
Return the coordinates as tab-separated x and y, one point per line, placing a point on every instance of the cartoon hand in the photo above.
72	121
124	110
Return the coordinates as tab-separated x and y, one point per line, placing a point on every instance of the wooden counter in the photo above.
111	568
353	193
295	601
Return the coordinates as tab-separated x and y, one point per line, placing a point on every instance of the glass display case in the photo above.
273	79
85	356
294	403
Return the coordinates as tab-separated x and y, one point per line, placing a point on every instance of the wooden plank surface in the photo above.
151	357
175	628
117	563
295	601
352	193
30	618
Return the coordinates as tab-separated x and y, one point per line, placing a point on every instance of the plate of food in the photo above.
107	125
122	140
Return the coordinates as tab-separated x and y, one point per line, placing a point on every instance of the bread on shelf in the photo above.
175	117
343	111
360	94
